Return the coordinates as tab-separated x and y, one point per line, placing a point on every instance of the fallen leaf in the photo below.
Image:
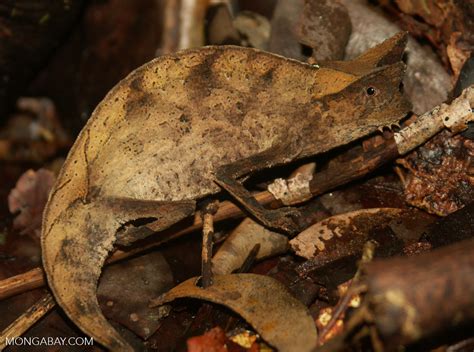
446	24
220	29
324	26
283	38
426	82
455	227
281	320
212	341
254	28
126	287
440	176
233	252
345	234
29	199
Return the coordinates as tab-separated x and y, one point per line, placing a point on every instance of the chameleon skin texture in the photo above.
152	146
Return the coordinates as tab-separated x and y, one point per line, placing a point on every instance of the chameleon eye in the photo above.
370	91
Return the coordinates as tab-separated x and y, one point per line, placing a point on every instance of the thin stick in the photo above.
20	283
170	37
27	319
353	289
206	256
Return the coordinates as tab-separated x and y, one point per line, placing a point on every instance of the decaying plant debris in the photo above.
238	199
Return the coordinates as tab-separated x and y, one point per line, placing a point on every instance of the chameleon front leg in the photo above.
283	219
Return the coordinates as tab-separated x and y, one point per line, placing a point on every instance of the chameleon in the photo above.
187	126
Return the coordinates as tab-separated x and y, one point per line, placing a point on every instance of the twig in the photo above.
353	289
20	283
454	116
206	256
27	319
191	23
170	36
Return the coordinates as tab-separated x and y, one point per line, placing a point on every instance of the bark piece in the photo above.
402	293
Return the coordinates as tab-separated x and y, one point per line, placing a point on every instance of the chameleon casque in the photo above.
184	126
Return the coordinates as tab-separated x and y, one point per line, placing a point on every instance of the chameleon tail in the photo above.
75	247
76	242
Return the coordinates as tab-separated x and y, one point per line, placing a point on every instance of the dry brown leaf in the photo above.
283	38
324	26
440	174
29	199
213	340
447	24
126	287
281	320
233	252
345	234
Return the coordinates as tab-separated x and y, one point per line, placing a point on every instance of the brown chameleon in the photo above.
185	126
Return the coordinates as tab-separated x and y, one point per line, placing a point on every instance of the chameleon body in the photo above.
181	127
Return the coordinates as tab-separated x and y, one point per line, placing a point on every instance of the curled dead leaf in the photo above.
233	252
283	321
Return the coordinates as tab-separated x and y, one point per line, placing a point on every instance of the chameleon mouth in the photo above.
394	127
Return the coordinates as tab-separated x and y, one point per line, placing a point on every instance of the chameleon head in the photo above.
376	99
371	101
